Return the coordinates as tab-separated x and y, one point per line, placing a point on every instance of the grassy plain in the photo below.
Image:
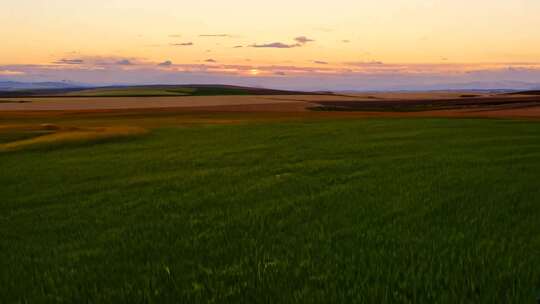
300	211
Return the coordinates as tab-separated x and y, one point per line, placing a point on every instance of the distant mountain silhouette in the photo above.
15	89
16	85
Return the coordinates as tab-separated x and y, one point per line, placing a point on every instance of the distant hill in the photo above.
145	91
17	86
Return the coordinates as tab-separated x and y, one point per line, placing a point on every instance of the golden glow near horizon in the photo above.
191	32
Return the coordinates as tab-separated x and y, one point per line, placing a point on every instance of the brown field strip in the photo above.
86	123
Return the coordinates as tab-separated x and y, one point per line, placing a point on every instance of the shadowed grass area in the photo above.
366	211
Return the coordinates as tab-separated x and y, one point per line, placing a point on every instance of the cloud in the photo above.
216	35
210	60
124	62
303	40
175	36
320	62
360	76
365	63
182	44
345	41
98	61
238	46
165	63
276	45
69	61
11	73
300	41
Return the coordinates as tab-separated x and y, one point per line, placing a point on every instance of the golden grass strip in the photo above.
75	135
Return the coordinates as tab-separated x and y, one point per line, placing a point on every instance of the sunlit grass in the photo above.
66	135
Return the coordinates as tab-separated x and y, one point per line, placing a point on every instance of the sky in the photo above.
339	44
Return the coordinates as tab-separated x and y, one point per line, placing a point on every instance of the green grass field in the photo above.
349	211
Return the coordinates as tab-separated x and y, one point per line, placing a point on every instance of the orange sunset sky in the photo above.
344	44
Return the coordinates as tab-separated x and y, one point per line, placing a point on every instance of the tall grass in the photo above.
369	211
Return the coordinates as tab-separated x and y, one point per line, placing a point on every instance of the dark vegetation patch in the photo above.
427	105
14	101
535	92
